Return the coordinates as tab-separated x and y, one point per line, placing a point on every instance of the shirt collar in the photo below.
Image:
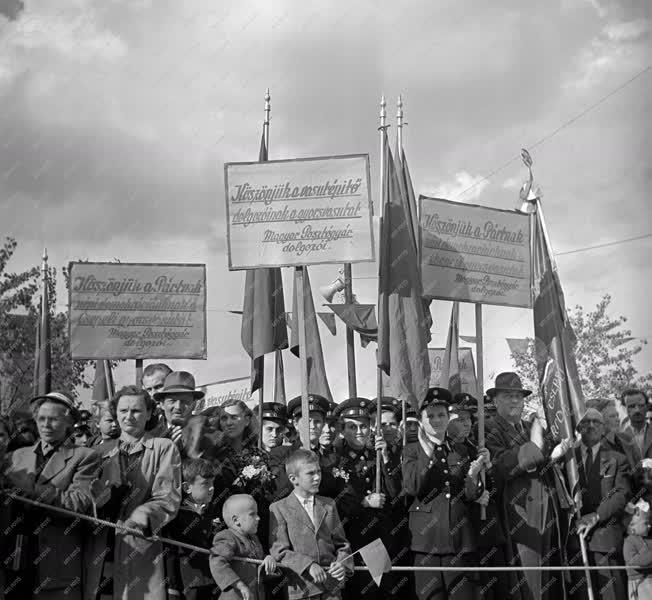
310	500
192	505
594	449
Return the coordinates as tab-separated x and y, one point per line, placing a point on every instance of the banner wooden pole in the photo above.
350	340
379	377
399	144
480	379
304	432
261	390
139	373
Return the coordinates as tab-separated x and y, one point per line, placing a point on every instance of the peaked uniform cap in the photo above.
437	396
354	408
315	403
274	411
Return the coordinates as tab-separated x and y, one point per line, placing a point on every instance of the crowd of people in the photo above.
219	479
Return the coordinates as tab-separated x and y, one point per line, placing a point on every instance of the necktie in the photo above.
588	465
309	510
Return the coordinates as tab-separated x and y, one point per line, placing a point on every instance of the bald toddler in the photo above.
237	579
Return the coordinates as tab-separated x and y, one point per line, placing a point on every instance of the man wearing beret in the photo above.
363	508
604	481
528	488
47	558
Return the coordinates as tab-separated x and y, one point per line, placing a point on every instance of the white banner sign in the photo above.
309	211
467	369
126	310
474	254
219	392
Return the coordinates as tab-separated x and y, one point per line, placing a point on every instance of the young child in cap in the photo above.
307	535
638	551
237	579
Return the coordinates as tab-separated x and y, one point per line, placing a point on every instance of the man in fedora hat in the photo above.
526	486
52	471
178	398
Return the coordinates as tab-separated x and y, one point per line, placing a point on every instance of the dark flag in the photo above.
263	313
559	381
317	381
279	378
103	387
450	370
42	382
403	330
405	181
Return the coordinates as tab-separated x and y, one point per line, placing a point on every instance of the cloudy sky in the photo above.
117	116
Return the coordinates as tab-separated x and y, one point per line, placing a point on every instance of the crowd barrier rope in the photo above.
169	541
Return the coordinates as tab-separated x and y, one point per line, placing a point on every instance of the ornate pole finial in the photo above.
383	112
44	264
268	108
530	193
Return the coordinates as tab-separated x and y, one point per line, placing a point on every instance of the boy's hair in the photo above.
232	504
297	458
191	468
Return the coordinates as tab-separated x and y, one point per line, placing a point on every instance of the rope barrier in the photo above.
169	541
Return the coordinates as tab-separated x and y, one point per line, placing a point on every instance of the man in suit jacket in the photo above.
52	471
636	402
307	535
605	488
527	490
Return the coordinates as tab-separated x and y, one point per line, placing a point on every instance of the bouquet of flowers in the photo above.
341	474
255	477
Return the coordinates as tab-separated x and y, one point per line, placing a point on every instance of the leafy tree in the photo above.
19	313
604	351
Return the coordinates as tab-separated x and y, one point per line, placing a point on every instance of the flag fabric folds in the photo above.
317	381
42	382
263	314
403	330
103	386
450	370
559	381
279	378
377	559
405	181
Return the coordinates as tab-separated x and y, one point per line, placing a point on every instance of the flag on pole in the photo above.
263	313
42	383
450	369
559	381
405	181
403	329
377	559
317	382
279	378
103	387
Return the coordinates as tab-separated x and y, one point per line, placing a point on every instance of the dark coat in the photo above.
226	571
297	543
443	493
66	483
623	443
608	535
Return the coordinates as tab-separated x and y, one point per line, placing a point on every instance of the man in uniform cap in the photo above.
363	508
52	471
465	407
530	512
318	408
330	430
273	425
605	489
442	478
